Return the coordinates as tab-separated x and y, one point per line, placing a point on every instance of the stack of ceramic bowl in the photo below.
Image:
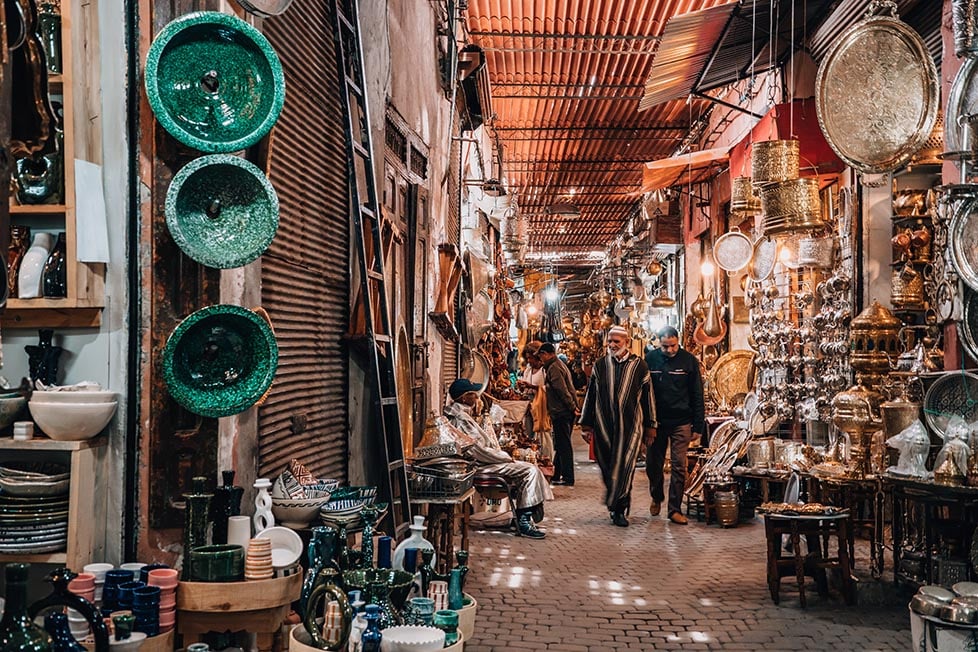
146	609
72	415
166	579
25	479
98	570
438	591
296	504
110	590
33	507
287	549
258	561
83	585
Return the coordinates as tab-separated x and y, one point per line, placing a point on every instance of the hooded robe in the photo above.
618	405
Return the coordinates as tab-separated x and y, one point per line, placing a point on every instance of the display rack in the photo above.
85	281
86	508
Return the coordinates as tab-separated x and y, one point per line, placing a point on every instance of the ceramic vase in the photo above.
20	241
226	503
369	516
447	621
455	589
416	540
379	593
49	29
196	519
32	266
43	358
384	552
17	629
263	518
371	638
61	597
54	280
327	588
319	554
461	563
56	624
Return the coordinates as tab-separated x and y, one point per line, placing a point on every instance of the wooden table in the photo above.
447	517
817	530
259	607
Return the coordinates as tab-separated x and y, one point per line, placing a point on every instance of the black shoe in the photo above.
526	528
619	519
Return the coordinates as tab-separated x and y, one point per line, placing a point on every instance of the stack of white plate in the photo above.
33	507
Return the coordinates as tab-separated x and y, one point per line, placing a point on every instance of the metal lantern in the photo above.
874	338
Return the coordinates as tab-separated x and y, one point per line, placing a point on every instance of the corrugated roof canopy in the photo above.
567	78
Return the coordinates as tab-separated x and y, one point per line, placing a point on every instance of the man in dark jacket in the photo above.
678	386
562	405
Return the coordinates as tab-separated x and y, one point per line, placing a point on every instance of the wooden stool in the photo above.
259	607
817	531
447	517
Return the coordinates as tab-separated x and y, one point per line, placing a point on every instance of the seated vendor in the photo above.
532	487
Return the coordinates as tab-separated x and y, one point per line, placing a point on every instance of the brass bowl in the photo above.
774	161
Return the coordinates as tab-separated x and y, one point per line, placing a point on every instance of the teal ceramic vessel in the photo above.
214	82
221	211
220	360
224	563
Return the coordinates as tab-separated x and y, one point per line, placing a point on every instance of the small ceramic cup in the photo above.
122	624
165	578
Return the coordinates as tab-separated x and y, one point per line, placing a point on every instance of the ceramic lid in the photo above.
222	211
214	82
220	360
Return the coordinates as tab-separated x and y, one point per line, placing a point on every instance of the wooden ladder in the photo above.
388	452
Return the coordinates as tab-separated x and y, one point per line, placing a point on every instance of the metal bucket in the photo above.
816	252
742	196
774	161
906	288
791	206
727	504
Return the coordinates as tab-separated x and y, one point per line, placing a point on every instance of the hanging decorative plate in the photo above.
962	102
732	251
221	211
220	360
728	378
962	235
876	93
214	82
954	393
762	260
969	323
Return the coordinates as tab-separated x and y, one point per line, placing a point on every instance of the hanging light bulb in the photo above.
707	268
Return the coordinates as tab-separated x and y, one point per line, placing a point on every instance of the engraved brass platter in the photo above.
876	93
962	101
962	235
969	324
727	380
954	393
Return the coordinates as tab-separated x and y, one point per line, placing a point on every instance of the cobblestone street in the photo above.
592	586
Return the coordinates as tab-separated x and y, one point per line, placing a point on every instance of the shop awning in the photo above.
685	168
714	47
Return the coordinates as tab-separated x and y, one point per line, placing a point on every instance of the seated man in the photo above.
532	487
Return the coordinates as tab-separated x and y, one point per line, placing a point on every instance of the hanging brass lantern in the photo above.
663	300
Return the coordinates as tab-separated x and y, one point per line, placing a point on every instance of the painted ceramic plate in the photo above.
220	360
214	82
222	211
954	393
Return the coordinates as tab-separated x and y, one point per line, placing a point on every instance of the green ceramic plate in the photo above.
222	211
214	82
220	360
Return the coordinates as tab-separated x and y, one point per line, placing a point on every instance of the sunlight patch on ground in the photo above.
708	602
515	579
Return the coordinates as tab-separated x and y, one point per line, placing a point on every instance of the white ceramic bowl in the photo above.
297	514
73	397
286	545
412	638
72	421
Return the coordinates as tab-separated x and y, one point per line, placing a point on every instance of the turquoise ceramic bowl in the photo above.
220	360
214	82
222	211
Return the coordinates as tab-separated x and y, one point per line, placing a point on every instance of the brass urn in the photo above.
874	338
898	415
856	412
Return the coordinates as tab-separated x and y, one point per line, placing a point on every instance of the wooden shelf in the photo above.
36	558
45	444
24	313
38	209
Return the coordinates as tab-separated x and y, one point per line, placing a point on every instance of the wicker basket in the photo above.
425	483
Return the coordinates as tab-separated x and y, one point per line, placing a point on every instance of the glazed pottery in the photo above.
223	563
196	520
225	504
54	282
398	583
319	555
263	518
447	621
416	540
326	588
20	239
61	597
17	629
56	624
43	358
32	266
72	421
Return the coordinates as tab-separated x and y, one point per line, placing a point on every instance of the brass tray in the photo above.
969	323
762	260
727	379
962	235
876	93
962	101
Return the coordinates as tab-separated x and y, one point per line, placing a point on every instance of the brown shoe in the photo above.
678	518
655	508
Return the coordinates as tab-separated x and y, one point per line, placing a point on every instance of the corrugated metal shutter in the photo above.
453	235
305	273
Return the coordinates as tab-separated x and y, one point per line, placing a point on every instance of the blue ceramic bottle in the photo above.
372	636
455	589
